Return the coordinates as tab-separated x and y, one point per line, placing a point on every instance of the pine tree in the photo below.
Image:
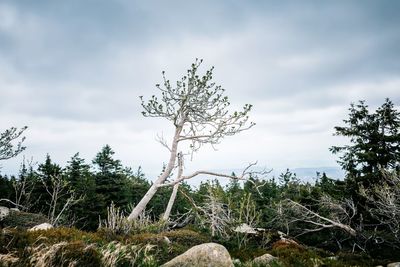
112	184
374	143
82	183
44	174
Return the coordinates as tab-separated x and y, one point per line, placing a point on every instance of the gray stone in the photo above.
265	259
4	211
204	255
43	226
245	228
167	241
394	264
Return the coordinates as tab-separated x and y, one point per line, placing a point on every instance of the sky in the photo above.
73	71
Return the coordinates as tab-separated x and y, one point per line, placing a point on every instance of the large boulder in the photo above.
265	260
394	264
204	255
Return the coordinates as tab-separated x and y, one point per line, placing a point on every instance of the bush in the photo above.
65	254
167	245
23	220
117	254
12	239
292	254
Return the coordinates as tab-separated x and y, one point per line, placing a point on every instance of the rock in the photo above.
4	211
14	209
394	264
236	262
167	241
286	243
333	258
282	235
264	260
43	226
204	255
245	228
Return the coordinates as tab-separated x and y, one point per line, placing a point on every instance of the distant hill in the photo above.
309	174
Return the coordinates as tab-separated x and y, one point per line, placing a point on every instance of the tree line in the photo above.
361	212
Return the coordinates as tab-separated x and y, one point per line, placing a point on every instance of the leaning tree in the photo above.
199	112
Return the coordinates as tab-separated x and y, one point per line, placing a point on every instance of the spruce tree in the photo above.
112	183
374	144
83	185
44	174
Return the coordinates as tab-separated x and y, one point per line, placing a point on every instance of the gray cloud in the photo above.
73	71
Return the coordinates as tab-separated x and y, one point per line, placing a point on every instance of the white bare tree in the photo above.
58	190
174	193
384	202
198	110
340	215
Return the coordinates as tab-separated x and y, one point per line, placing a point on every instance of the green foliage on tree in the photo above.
112	183
374	143
6	188
82	183
43	184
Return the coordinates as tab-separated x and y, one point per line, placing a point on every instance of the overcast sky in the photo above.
72	71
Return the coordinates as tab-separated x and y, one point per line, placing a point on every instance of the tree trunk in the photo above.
171	202
141	206
172	198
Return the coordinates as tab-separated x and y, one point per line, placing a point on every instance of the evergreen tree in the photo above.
112	184
43	177
374	143
83	185
6	188
138	184
24	186
234	189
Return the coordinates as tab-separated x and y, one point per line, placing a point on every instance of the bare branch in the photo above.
7	149
15	204
307	215
199	110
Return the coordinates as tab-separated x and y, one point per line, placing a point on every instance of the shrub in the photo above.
12	239
117	254
8	260
71	254
23	219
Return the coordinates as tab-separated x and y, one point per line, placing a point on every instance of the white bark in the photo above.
141	206
59	189
171	202
174	190
320	222
199	111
